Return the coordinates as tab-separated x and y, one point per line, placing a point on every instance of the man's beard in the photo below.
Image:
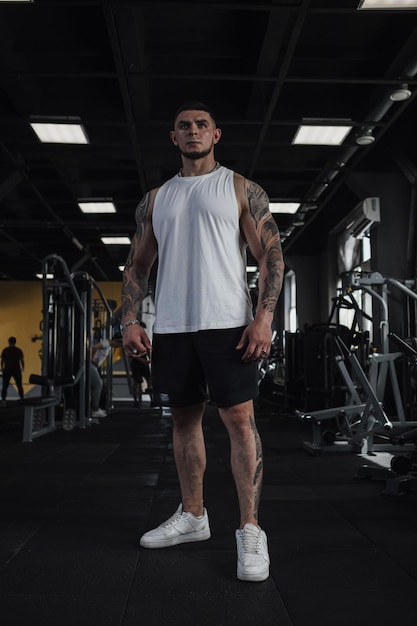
194	156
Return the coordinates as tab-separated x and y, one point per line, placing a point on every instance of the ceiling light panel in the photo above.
115	240
50	132
96	206
388	4
284	207
321	135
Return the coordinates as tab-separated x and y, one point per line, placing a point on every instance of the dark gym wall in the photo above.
317	274
390	238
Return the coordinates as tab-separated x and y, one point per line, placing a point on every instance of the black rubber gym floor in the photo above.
74	504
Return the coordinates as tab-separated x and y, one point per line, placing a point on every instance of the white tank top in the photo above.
201	281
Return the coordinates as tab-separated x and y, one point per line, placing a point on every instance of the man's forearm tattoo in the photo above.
269	237
135	283
257	478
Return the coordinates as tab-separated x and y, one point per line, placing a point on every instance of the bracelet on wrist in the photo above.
129	323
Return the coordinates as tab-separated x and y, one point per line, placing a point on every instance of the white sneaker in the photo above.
179	528
99	413
252	553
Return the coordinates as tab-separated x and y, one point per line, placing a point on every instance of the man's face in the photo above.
195	134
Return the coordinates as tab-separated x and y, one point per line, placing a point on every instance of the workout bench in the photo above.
39	415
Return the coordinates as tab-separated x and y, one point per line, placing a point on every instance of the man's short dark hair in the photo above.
195	105
12	339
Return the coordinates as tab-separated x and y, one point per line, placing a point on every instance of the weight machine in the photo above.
67	308
363	417
401	477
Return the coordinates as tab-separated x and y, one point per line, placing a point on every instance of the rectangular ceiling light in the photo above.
388	4
323	135
111	240
96	206
60	132
284	207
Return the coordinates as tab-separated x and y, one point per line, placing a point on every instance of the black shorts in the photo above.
190	368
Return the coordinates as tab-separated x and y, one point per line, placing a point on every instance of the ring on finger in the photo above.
264	354
135	351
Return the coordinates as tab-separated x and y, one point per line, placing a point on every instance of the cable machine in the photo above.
66	351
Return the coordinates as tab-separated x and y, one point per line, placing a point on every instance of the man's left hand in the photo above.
256	338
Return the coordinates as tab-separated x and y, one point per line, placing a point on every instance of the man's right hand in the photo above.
136	342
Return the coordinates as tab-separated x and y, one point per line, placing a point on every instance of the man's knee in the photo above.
239	418
186	416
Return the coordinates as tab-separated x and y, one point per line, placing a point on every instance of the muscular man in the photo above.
199	224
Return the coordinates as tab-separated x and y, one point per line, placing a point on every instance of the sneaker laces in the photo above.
250	541
174	518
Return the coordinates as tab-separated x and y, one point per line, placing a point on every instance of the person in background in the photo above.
12	365
99	354
140	371
199	224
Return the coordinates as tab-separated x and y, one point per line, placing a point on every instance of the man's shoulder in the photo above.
240	181
153	192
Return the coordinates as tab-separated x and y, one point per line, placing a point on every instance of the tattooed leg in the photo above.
246	458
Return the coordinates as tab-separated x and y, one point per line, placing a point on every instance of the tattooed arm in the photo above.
259	230
142	255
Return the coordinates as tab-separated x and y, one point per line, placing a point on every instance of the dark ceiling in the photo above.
124	67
